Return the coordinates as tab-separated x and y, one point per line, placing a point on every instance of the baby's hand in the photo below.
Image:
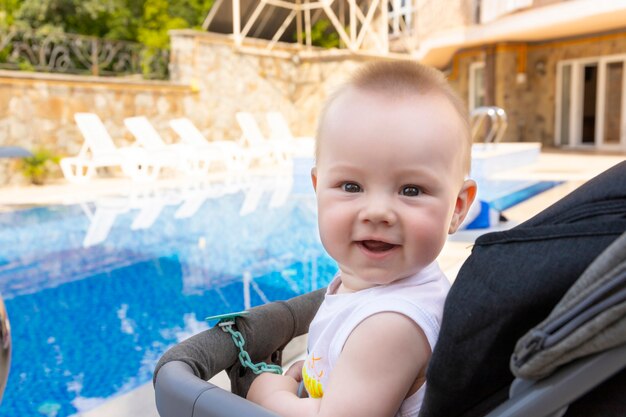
295	371
267	389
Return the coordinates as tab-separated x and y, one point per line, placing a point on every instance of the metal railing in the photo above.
76	54
360	26
496	128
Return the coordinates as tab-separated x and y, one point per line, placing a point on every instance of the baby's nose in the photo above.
378	210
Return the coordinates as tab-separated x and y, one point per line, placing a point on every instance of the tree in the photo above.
7	10
86	17
156	22
146	21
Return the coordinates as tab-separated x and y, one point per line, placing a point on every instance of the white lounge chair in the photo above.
277	151
232	154
253	191
193	200
98	151
192	204
101	219
148	214
282	190
279	130
178	156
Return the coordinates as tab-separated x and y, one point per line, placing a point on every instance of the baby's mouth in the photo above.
377	245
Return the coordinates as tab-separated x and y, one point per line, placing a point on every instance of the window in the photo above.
591	102
566	104
476	85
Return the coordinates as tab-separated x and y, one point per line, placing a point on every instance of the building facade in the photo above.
556	67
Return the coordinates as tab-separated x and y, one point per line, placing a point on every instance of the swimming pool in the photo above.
503	194
97	292
89	321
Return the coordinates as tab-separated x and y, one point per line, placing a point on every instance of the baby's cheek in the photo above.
333	223
428	241
328	235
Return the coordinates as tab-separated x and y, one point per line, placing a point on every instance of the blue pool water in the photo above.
97	292
89	323
503	194
507	200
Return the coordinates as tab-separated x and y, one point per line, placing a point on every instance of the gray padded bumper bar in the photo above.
550	396
181	374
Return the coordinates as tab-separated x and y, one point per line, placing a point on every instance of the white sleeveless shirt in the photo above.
419	297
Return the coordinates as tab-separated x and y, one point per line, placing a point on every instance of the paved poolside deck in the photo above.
572	168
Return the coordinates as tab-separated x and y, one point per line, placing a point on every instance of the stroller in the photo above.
544	302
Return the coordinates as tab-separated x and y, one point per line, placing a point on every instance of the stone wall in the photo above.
228	80
458	73
436	16
37	110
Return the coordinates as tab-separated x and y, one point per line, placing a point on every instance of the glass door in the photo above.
476	85
589	100
564	94
611	134
591	103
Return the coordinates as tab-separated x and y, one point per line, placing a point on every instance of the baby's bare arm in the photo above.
379	364
278	393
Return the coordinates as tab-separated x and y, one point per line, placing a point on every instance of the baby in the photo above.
393	153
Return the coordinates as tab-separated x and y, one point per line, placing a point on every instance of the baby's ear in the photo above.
463	202
314	177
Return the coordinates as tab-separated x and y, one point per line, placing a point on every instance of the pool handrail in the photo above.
498	126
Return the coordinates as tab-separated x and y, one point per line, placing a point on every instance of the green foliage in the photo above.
25	65
323	34
7	11
157	20
151	65
38	168
87	17
145	21
193	11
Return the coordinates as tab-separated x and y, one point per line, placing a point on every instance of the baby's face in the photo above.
388	177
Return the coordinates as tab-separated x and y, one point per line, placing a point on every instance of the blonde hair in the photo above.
402	78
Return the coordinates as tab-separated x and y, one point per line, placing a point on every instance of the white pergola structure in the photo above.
363	26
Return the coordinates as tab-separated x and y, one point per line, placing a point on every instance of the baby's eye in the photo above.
410	190
351	187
